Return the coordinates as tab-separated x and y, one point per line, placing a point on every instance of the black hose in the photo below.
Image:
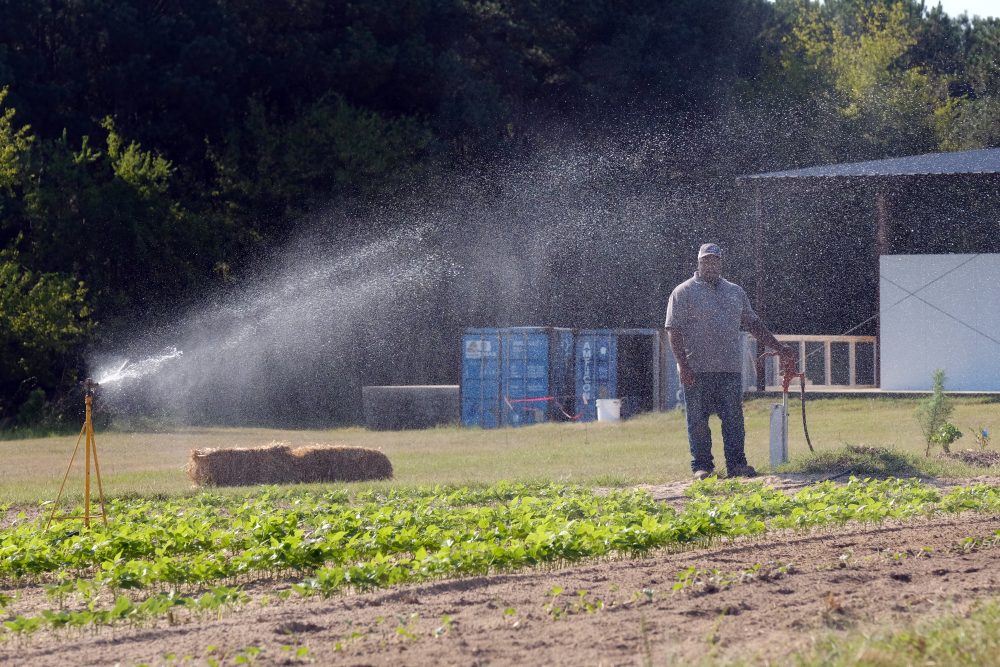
802	400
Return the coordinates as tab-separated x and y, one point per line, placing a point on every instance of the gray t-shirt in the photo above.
710	317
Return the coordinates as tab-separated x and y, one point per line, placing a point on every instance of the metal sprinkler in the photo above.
89	387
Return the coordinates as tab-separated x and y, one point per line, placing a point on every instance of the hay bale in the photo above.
278	463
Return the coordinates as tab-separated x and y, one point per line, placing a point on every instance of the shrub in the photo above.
945	435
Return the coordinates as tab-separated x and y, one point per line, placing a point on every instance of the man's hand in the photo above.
789	356
680	354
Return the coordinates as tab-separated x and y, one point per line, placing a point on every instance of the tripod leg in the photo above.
86	475
55	505
100	487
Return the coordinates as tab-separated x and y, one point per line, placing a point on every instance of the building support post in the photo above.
881	248
758	260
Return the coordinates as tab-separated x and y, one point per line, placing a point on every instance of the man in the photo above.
704	317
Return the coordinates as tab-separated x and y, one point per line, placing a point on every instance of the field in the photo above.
553	544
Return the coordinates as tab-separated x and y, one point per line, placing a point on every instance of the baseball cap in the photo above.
710	249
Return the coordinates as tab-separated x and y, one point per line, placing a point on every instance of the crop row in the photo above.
325	542
208	538
125	610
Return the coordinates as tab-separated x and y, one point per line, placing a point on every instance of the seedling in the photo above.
445	626
407	626
247	656
554	610
301	652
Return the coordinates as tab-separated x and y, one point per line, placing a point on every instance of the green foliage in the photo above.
43	317
946	434
862	58
859	59
145	172
14	144
933	413
112	218
964	123
46	312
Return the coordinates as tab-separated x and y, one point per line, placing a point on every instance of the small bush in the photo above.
945	435
861	461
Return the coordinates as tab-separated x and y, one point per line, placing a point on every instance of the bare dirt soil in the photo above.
767	598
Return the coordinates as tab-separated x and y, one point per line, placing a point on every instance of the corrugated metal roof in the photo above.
982	161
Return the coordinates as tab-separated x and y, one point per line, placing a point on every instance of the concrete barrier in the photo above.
398	407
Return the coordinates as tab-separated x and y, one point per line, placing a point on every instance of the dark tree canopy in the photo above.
154	155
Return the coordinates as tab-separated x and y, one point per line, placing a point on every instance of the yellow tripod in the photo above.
91	453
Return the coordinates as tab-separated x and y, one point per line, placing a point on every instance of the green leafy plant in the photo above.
946	434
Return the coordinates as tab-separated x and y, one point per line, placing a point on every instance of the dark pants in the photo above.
721	394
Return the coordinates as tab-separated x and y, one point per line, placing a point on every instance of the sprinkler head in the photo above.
89	386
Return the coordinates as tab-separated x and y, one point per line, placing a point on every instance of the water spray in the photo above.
89	387
129	370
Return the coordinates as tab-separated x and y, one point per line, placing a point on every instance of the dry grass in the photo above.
649	449
278	463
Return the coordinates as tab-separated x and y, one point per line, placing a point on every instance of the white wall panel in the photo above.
948	324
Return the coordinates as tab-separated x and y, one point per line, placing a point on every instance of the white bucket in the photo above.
609	409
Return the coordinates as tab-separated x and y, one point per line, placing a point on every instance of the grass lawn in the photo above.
972	639
648	449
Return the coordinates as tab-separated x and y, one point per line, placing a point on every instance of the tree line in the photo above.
155	151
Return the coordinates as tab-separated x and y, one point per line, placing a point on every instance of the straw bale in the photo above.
278	463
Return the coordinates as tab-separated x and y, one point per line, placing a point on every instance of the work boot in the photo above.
745	470
701	474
